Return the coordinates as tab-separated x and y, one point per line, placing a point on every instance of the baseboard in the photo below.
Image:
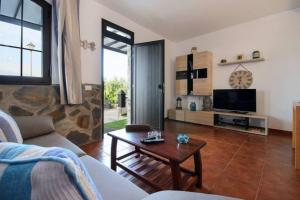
271	130
280	131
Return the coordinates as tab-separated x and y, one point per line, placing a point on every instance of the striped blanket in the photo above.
31	172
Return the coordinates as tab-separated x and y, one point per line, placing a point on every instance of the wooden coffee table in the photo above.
158	165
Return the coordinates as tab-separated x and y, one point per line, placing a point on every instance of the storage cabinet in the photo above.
196	117
194	74
181	63
178	115
200	117
202	60
202	87
181	87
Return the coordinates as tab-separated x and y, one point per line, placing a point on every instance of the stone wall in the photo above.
79	123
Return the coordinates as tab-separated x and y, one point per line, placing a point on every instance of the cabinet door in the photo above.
181	87
202	60
202	87
200	117
180	115
181	63
172	114
176	114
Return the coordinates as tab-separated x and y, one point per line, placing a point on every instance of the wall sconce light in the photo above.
88	45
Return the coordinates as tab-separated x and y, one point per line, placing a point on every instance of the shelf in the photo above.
242	115
255	130
241	62
155	171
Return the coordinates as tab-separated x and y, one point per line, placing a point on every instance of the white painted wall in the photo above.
91	14
278	78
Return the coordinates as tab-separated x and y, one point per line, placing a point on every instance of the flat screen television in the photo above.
240	100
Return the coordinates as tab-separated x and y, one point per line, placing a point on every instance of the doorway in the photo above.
117	45
148	84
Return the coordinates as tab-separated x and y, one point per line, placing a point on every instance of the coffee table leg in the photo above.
176	175
113	157
198	168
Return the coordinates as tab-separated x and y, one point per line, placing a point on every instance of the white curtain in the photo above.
66	50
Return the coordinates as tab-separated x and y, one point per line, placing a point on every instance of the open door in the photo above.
148	84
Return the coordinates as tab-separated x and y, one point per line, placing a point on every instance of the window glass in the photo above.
21	41
32	38
10	61
32	63
10	34
11	8
116	45
110	29
32	12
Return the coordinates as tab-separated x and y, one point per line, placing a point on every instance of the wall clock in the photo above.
241	79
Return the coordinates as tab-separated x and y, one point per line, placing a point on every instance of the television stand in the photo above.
242	122
239	112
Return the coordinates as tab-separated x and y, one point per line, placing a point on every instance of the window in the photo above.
116	38
25	37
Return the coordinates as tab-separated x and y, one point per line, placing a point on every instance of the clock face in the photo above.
241	79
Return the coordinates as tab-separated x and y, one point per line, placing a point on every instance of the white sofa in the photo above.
40	131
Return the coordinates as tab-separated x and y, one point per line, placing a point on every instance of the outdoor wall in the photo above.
276	79
79	123
91	13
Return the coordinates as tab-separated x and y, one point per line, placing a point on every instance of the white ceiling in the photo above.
178	20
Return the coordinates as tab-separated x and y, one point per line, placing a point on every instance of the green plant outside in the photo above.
112	88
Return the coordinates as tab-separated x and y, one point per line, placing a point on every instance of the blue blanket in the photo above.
30	172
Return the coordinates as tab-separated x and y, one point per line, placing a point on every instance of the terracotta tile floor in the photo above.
234	163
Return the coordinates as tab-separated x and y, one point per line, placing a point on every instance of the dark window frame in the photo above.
46	48
115	36
106	33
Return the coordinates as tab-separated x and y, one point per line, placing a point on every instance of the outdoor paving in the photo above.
111	115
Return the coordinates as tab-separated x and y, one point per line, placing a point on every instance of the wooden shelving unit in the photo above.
209	118
255	130
242	61
194	74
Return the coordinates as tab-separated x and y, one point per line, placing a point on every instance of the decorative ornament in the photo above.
223	61
194	50
193	106
207	103
178	104
241	79
183	138
256	54
240	57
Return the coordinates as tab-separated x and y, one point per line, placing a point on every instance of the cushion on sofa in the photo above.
33	126
10	131
111	185
179	195
55	140
32	172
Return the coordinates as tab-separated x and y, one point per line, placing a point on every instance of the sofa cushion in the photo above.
111	185
33	126
179	195
55	140
34	172
10	131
